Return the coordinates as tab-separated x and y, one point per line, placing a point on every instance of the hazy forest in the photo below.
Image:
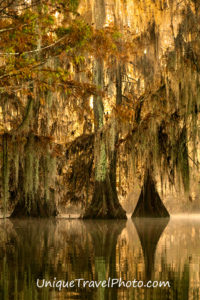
99	100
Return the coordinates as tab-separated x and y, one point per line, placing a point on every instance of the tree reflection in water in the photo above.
149	231
97	250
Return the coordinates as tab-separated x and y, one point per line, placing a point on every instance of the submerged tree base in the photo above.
150	204
105	203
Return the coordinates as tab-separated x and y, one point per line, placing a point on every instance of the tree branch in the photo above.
35	50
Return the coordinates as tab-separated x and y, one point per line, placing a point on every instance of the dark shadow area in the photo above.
149	232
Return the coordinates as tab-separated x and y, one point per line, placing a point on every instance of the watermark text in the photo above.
109	283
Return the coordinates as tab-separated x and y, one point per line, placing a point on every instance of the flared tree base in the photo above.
150	204
40	209
105	203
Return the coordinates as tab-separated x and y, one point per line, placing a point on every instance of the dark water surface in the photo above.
55	250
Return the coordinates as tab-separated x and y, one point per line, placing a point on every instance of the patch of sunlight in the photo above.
91	101
56	14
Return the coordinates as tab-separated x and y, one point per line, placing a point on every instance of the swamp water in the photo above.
161	250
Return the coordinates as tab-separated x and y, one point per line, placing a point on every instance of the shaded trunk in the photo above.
33	204
150	204
149	232
38	209
105	203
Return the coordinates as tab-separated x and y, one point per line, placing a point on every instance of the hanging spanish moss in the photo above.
28	172
35	193
24	126
79	180
36	179
122	89
5	173
16	162
183	159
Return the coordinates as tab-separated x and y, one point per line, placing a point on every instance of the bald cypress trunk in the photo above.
39	208
150	204
105	203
